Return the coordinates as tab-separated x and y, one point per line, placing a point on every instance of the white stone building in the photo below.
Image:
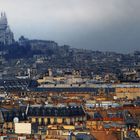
6	35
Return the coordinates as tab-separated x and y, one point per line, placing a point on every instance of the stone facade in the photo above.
6	35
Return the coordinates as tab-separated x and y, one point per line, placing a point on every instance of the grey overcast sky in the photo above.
106	25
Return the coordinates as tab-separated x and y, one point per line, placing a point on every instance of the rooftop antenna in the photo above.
27	109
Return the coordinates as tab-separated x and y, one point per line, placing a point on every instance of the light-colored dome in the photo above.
8	30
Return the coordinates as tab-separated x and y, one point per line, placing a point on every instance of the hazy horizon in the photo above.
111	25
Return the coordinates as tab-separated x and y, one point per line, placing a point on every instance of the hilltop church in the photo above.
6	35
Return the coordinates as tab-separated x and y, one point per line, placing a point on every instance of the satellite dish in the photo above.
16	120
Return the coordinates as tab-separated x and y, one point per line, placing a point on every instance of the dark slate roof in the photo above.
84	137
133	135
97	115
9	115
17	84
128	118
56	111
72	89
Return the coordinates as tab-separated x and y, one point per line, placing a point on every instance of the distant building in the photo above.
6	35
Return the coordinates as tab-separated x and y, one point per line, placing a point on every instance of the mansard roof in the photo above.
44	111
